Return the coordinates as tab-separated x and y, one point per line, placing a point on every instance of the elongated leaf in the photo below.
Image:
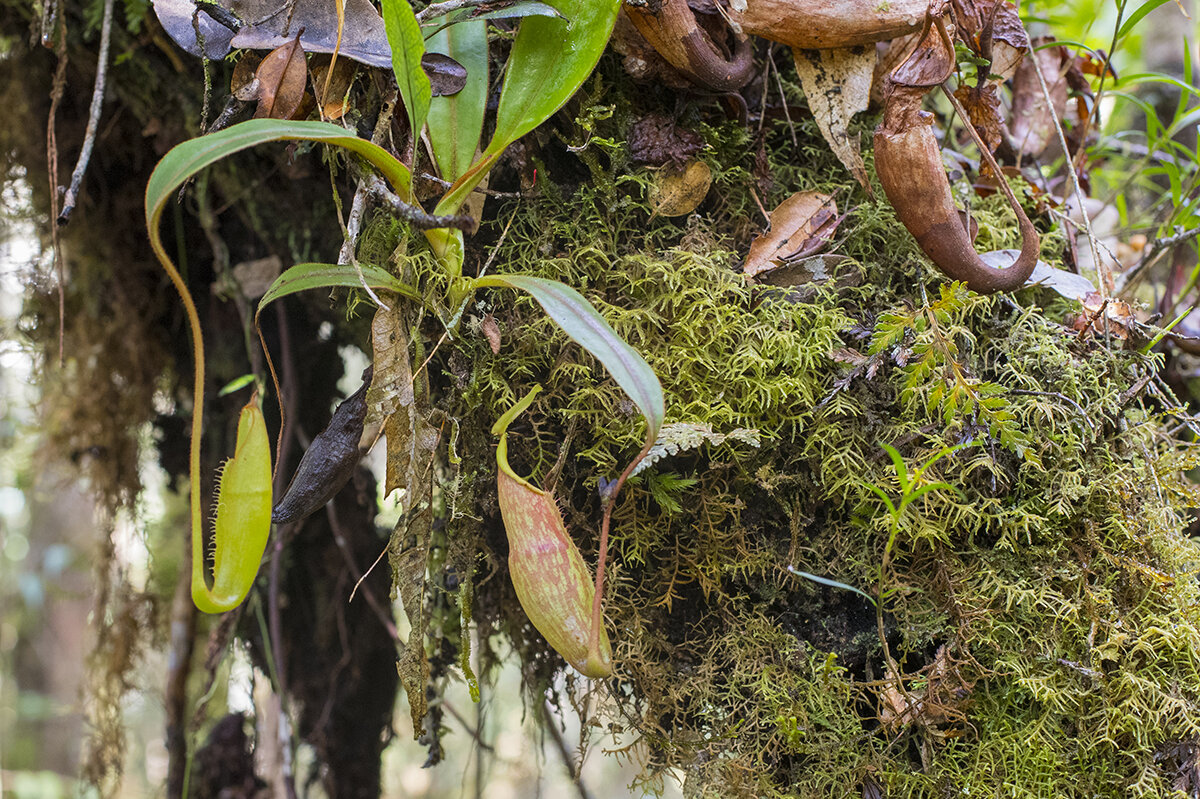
187	159
455	123
303	277
831	583
582	322
526	9
550	60
404	37
1137	16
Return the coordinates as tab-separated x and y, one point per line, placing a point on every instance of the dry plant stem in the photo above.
671	28
564	751
415	216
89	136
609	502
57	30
436	10
1102	273
340	6
445	184
358	206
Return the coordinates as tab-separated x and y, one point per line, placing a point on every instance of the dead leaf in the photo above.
678	193
282	76
656	140
363	36
491	331
800	226
1066	284
402	399
333	87
1031	125
1109	316
983	111
181	19
243	84
941	700
446	76
804	275
992	29
837	85
255	277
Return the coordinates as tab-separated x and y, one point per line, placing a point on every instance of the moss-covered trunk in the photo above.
781	624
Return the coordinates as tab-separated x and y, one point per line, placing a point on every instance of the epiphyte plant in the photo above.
243	518
548	61
552	582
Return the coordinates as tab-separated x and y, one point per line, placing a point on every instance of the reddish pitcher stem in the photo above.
602	557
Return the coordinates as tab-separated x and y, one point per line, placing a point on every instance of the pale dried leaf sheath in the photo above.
552	582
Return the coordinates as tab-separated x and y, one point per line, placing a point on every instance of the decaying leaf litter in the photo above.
943	367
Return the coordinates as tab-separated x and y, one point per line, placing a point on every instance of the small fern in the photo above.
932	343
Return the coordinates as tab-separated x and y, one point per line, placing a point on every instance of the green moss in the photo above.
1043	618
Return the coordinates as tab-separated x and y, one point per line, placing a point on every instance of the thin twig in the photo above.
499	243
783	99
89	136
353	224
445	184
58	27
565	751
1102	275
441	9
413	214
339	538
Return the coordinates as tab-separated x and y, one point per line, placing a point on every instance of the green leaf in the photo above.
456	122
187	159
582	322
236	384
532	8
1137	16
549	61
408	45
303	277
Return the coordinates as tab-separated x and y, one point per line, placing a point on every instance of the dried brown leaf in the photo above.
491	331
243	84
983	110
411	444
446	76
282	76
332	89
837	85
656	140
678	193
1031	125
800	226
